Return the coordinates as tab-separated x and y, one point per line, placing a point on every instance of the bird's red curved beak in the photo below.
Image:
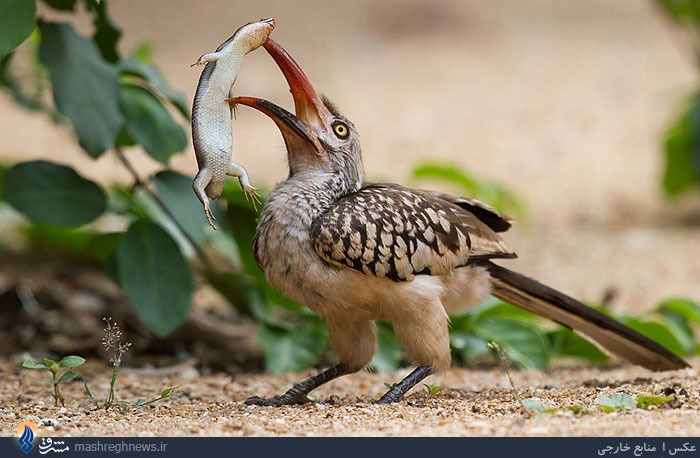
311	117
307	104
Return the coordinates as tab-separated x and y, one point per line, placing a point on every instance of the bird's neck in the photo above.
310	193
327	186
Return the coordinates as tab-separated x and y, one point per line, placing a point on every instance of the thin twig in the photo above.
143	185
502	356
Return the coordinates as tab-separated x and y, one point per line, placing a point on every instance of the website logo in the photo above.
26	432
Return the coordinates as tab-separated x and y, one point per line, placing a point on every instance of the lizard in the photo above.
212	133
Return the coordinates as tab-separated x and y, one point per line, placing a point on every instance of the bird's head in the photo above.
319	139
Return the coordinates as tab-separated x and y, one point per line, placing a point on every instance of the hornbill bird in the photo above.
355	252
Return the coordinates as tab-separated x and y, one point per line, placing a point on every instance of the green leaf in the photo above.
27	364
143	52
568	343
579	410
695	126
241	291
175	191
89	394
155	277
241	223
496	195
681	330
291	350
61	5
3	171
134	65
52	365
149	123
681	10
88	244
85	86
467	345
124	139
533	405
499	309
689	310
70	375
16	23
72	361
681	145
106	32
446	173
526	345
616	401
140	402
53	194
658	333
388	355
432	389
168	391
646	401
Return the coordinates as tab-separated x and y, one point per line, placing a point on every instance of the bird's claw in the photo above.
278	401
384	400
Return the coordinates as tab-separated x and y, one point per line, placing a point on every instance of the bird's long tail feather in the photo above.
615	337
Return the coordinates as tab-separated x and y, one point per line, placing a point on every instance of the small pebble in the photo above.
48	422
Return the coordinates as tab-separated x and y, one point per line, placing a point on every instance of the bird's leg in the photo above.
397	391
297	393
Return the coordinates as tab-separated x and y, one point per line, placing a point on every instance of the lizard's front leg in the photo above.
206	58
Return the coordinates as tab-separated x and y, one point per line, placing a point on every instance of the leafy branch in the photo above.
118	105
115	104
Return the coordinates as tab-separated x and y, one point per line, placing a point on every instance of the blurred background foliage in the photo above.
682	139
151	238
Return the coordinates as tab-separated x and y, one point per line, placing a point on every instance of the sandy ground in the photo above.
472	403
564	102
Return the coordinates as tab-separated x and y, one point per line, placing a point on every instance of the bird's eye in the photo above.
341	130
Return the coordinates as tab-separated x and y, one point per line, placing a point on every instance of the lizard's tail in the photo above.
615	337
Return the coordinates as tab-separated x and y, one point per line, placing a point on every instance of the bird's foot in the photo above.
389	398
298	393
286	399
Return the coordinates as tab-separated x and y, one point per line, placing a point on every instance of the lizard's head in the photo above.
319	139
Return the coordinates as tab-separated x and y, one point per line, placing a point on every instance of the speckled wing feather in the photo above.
395	232
486	213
